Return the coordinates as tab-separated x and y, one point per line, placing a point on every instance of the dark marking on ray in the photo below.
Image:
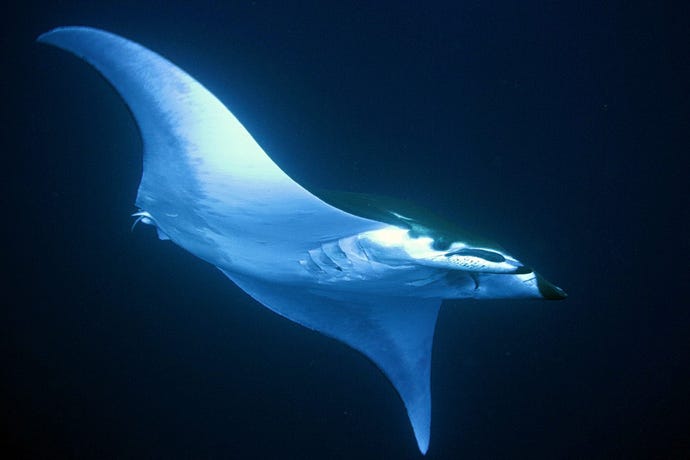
419	221
481	253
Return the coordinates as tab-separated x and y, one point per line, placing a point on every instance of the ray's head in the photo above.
426	248
479	270
475	268
419	237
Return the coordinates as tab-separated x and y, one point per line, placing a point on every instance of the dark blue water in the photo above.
558	130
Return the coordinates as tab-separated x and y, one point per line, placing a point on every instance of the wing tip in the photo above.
52	36
421	425
422	442
46	37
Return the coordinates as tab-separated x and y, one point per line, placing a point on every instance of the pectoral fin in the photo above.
396	333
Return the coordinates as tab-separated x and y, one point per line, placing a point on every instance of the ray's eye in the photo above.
482	253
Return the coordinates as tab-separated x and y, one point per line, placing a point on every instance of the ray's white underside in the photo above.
210	188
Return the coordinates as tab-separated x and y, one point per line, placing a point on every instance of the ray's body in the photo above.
360	269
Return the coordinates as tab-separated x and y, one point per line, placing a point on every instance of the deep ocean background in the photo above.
559	129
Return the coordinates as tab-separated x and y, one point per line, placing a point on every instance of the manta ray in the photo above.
370	272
